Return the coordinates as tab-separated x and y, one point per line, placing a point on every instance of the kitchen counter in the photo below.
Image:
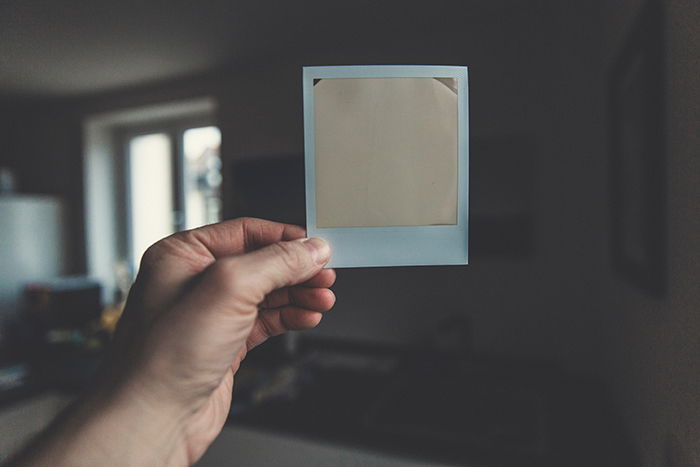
432	407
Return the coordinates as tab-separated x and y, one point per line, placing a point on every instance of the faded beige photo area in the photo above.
386	152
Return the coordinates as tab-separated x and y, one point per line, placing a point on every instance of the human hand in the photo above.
203	298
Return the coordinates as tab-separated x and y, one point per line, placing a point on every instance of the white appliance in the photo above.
32	245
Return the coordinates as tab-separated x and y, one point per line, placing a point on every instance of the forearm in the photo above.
110	428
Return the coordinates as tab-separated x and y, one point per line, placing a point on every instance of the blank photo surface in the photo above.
386	152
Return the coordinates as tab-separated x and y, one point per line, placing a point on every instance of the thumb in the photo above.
283	264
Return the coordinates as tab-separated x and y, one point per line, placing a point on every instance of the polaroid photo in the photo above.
387	163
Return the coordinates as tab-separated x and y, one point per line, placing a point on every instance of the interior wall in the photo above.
530	71
524	63
653	343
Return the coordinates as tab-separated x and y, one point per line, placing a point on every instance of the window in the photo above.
137	179
202	176
150	191
173	182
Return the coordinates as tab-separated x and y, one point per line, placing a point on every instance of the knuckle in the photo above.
155	253
152	255
245	223
186	236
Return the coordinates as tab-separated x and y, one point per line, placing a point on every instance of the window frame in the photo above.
175	129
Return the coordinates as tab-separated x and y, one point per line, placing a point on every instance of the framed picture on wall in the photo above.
637	155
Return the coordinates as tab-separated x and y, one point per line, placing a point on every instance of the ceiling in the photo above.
69	48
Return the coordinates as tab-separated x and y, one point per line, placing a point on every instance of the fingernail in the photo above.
320	251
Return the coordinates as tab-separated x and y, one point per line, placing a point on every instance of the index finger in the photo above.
243	235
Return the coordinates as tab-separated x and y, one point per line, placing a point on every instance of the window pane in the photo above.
151	192
202	176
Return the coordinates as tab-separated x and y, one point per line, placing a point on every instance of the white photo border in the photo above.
424	245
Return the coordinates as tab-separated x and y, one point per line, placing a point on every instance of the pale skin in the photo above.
202	300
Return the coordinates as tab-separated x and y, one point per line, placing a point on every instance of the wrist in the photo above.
131	427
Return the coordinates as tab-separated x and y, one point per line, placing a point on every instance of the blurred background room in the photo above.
571	339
